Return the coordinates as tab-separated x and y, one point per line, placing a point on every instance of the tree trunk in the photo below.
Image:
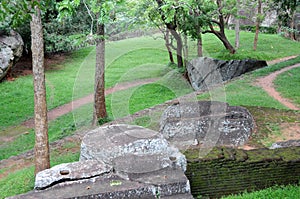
237	25
259	12
199	43
221	34
226	43
99	95
179	48
186	50
172	26
167	40
292	26
41	148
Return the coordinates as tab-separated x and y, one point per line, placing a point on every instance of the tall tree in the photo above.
219	20
100	12
286	10
14	13
42	159
237	25
171	22
99	90
257	23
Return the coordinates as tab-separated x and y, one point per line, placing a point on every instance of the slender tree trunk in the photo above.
199	46
221	34
186	50
41	148
99	95
167	39
226	43
172	26
292	26
259	12
237	25
199	41
179	48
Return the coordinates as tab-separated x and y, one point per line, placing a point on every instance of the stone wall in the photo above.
226	171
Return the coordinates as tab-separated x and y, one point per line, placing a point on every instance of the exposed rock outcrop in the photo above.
11	49
205	72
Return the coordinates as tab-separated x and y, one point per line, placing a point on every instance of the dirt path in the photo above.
25	160
69	107
267	84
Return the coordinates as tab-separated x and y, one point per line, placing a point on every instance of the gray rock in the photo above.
206	123
204	72
118	161
71	172
165	183
11	49
289	143
130	149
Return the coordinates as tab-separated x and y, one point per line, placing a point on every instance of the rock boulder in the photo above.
206	123
122	145
204	72
117	161
11	49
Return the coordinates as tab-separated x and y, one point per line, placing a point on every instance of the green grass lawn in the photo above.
289	89
276	192
129	60
74	77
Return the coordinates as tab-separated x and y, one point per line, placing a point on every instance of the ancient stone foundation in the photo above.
227	171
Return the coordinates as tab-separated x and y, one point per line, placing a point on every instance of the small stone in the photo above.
64	172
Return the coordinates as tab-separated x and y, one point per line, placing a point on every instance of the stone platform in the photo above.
165	183
117	161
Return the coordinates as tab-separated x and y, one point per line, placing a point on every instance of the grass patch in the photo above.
74	77
130	60
272	68
242	92
267	123
22	181
288	85
290	191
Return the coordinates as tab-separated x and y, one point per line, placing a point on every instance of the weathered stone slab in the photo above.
164	183
117	161
71	172
121	145
202	122
205	72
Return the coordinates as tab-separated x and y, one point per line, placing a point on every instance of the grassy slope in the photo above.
74	67
291	192
289	89
75	77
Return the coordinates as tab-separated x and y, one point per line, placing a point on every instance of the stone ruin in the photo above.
207	124
118	161
125	161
